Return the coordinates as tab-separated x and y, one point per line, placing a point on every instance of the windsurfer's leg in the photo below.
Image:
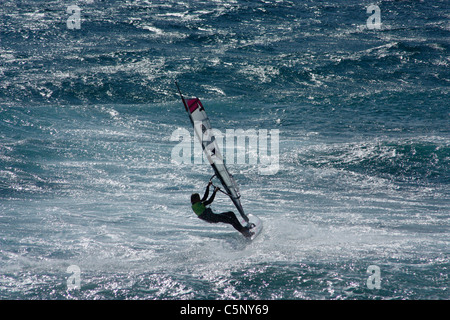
226	217
237	225
230	218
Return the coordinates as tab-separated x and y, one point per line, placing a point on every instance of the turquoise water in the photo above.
87	178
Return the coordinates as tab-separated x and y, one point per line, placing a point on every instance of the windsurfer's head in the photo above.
195	197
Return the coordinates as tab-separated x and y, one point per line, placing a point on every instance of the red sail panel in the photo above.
193	104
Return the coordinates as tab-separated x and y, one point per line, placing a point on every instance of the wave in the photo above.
418	160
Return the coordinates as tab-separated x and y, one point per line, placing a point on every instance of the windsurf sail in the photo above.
203	131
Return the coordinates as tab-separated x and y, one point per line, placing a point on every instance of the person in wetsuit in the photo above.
206	214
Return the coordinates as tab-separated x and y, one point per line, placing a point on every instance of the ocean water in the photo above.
92	205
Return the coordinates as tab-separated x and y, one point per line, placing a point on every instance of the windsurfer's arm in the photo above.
205	196
212	197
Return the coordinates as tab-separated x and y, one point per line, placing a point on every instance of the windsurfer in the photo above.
206	214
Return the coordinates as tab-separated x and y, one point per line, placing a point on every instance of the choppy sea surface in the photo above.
92	205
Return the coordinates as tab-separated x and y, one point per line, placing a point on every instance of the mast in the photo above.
182	98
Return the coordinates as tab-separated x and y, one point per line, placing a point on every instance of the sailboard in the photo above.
203	131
